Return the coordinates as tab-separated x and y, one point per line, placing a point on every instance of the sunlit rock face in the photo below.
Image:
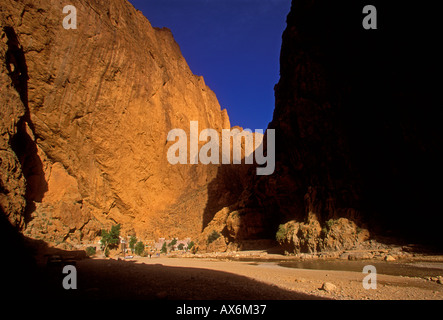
85	115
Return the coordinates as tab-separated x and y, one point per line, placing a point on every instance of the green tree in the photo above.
132	242
180	246
281	233
139	248
110	239
190	245
172	243
164	249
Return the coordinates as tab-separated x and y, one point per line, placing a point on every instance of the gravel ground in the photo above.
214	279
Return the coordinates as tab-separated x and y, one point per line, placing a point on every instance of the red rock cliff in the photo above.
85	115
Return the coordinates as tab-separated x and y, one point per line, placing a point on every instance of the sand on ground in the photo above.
203	278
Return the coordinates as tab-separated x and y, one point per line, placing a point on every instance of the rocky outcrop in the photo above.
85	115
310	237
13	79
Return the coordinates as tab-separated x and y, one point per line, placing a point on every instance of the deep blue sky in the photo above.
233	44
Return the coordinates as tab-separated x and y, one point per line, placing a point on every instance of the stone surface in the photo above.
12	109
357	133
329	287
88	112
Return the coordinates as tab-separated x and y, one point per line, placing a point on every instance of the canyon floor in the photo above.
224	279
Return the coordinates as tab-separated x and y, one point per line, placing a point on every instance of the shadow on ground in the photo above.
25	274
119	279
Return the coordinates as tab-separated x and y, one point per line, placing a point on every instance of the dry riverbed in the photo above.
255	276
344	284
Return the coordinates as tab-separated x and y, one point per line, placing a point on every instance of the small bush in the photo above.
90	251
172	243
190	245
213	236
281	233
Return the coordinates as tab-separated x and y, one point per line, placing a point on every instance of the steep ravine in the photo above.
85	115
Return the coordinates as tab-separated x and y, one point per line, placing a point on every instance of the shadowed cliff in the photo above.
357	122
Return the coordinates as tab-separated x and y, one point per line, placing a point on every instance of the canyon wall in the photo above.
358	133
85	115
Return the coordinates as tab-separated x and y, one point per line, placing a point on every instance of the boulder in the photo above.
329	287
389	258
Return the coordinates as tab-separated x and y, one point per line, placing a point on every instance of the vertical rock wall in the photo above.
357	122
85	118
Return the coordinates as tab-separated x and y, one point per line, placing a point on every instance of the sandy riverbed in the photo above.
188	278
